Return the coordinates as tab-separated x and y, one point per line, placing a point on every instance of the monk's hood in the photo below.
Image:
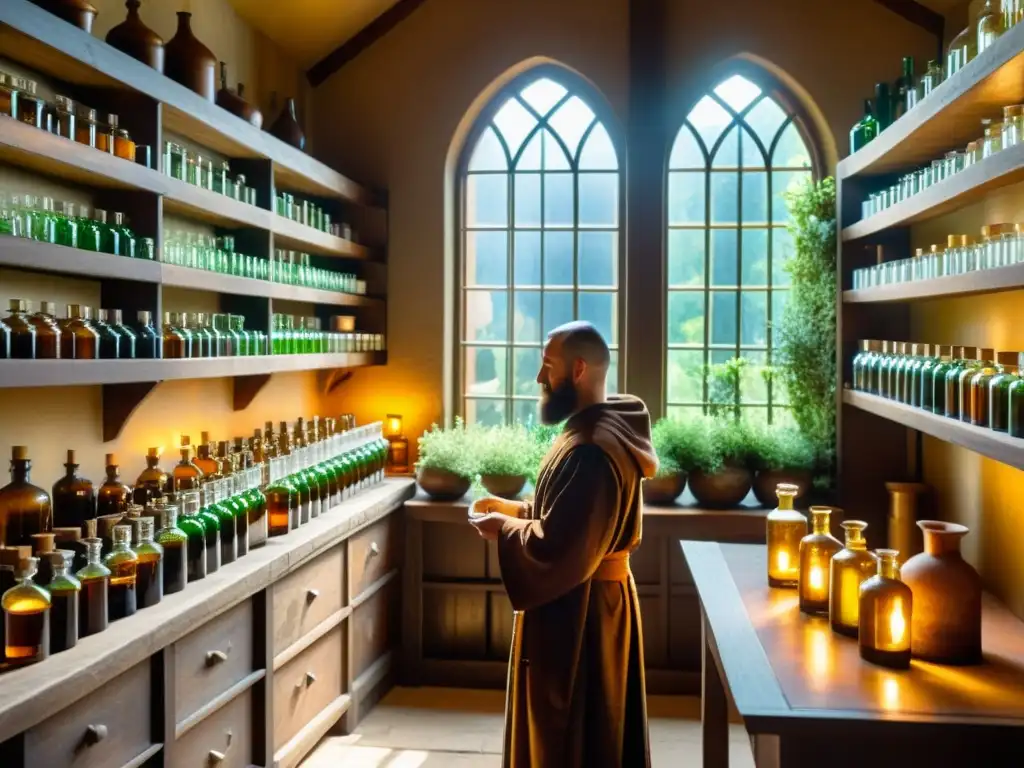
622	427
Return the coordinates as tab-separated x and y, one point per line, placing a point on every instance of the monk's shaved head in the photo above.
581	340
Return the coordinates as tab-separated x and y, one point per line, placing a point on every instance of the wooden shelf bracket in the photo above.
245	389
120	402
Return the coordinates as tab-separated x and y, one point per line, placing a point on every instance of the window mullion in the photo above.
739	247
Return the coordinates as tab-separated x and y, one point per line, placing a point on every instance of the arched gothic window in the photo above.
540	241
735	155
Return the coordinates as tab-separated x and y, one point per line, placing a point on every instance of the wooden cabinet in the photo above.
249	667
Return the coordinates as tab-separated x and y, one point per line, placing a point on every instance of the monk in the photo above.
576	695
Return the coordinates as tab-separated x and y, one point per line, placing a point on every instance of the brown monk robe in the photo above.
576	694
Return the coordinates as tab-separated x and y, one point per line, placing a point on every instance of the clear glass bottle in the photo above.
65	593
93	599
258	524
174	543
962	49
123	564
931	79
816	551
79	339
1013	12
64	117
989	25
886	604
785	528
851	566
113	496
74	498
26	609
190	522
150	569
47	332
999	390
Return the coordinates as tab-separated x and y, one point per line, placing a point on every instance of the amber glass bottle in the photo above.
10	564
113	496
26	609
187	476
978	399
123	564
983	360
281	500
65	592
885	609
175	344
205	461
174	543
47	332
153	482
816	551
785	527
150	571
23	330
95	579
24	508
79	339
74	499
851	566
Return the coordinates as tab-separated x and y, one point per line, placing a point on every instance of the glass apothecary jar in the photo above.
961	50
8	95
1013	12
174	160
86	126
851	567
885	609
993	141
999	390
30	106
990	24
64	118
816	551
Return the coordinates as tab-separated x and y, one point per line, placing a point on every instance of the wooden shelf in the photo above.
994	445
950	116
202	280
980	281
65	373
36	150
20	253
968	186
42	42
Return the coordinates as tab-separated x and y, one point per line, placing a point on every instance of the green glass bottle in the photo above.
95	581
952	381
926	391
865	129
887	374
1016	405
925	356
64	591
226	514
174	542
901	378
240	507
192	525
999	390
874	368
211	521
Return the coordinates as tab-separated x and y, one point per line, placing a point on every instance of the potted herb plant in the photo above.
781	454
677	446
721	477
505	458
543	437
446	465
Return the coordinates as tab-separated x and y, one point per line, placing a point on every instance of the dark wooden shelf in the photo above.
950	116
968	186
42	42
202	280
36	150
980	281
20	253
54	373
994	445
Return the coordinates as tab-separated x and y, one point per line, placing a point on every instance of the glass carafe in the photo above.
65	591
123	564
93	610
851	566
74	498
26	608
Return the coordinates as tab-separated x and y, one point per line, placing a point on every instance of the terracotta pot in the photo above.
189	62
233	101
664	490
945	625
505	486
287	127
137	40
722	489
767	480
442	485
78	12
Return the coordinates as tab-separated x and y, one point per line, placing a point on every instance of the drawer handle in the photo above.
213	658
306	681
374	549
312	594
94	734
216	757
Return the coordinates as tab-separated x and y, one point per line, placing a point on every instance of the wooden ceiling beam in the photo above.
917	14
362	40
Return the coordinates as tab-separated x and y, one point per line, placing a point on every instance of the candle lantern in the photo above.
816	550
886	605
398	445
851	567
785	528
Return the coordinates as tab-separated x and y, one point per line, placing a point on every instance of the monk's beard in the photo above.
558	403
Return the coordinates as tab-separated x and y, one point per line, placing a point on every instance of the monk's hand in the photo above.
489	525
490	504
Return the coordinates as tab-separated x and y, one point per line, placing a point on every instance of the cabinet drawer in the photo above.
211	659
307	684
372	553
307	596
224	739
374	627
106	729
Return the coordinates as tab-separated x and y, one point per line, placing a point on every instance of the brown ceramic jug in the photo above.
189	62
137	40
78	12
287	127
945	626
234	102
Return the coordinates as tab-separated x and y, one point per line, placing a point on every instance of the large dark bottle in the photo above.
153	482
128	336
137	40
193	526
47	332
204	460
74	500
24	508
110	339
22	330
189	62
114	496
79	339
149	341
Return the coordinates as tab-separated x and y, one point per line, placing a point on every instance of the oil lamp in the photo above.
816	550
851	567
785	528
398	445
885	609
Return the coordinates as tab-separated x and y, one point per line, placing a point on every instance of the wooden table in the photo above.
808	699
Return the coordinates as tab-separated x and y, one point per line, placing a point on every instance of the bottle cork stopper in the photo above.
89	529
185	440
111	459
985	353
19	453
70	533
71	457
204	437
12	556
107	523
42	542
1007	358
154	452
